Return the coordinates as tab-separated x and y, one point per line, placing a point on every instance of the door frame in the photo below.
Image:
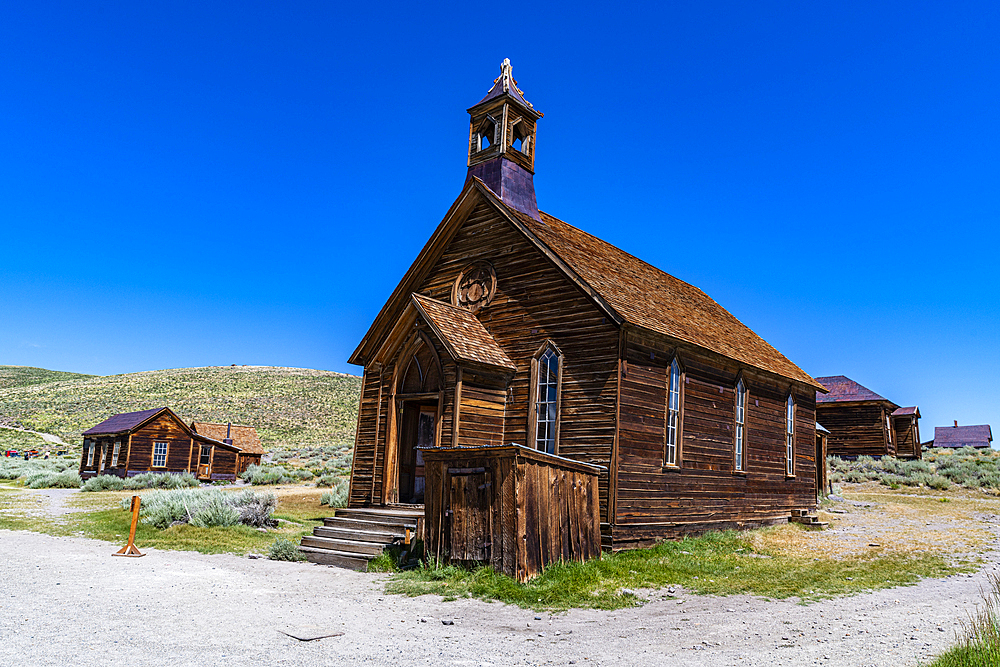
394	438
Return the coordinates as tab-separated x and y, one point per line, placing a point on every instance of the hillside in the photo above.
292	408
23	376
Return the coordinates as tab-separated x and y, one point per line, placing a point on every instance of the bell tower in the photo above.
502	143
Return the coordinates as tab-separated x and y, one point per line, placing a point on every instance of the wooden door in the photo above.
470	501
205	462
419	426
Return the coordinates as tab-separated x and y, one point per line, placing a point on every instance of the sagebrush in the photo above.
205	507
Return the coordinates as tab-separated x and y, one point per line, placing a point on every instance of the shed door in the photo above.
469	508
205	461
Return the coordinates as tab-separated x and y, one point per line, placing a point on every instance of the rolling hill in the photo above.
292	408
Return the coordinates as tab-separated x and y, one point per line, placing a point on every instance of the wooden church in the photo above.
647	410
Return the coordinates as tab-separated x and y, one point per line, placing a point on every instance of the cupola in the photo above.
502	143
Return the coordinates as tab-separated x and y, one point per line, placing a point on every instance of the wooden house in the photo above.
243	437
154	440
979	436
514	328
862	422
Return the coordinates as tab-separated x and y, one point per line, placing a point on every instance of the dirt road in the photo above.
67	600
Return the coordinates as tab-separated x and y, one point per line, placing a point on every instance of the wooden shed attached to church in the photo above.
516	331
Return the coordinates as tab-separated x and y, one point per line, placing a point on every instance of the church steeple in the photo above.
502	143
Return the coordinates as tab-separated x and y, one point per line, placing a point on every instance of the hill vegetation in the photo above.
300	412
23	376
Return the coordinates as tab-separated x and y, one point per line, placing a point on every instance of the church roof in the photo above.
843	389
462	334
624	287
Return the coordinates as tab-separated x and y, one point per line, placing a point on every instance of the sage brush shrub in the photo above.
104	483
68	479
258	475
161	480
283	549
337	496
205	507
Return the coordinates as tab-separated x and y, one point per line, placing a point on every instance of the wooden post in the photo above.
129	549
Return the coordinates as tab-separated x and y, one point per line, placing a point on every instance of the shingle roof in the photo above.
244	437
462	333
648	297
900	412
843	389
506	85
961	436
123	422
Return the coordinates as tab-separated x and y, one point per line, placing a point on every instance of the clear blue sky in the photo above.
188	184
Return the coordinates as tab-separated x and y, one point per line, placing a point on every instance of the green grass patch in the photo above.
979	645
719	563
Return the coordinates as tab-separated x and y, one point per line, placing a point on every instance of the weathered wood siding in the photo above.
223	462
704	491
161	429
855	428
534	303
907	442
516	509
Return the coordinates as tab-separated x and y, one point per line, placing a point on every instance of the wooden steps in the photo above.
806	519
353	536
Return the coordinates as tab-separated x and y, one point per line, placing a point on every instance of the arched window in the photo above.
670	454
790	436
422	371
739	437
546	369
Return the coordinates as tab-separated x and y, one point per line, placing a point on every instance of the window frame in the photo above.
678	429
740	426
790	409
115	452
532	434
90	446
166	452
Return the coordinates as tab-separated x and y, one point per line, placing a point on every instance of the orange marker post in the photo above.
129	549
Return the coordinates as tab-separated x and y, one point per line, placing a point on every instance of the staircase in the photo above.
807	519
352	537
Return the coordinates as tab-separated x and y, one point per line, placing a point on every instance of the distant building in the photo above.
244	437
156	440
979	435
862	422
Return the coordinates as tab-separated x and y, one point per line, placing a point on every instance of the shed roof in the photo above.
902	412
843	389
980	435
244	437
461	332
125	421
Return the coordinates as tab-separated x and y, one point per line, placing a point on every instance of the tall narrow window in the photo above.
114	453
547	401
159	454
738	443
790	437
90	452
673	414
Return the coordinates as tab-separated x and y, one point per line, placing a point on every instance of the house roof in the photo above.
902	412
243	437
627	289
963	436
843	389
461	332
125	421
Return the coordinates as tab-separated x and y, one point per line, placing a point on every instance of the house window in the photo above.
114	453
738	444
206	455
547	400
790	436
90	452
159	454
673	414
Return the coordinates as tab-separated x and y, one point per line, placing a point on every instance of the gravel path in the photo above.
67	600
